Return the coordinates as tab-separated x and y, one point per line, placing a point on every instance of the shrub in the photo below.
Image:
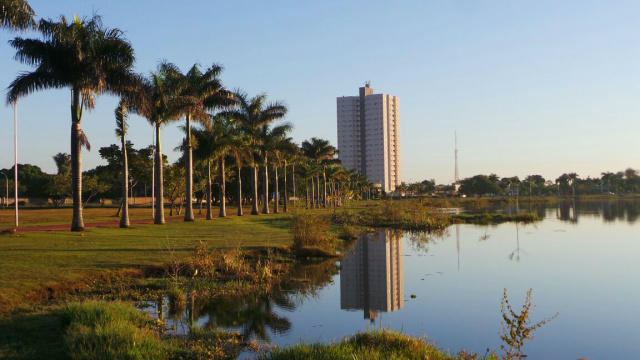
310	230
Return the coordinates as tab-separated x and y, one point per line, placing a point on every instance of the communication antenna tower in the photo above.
456	178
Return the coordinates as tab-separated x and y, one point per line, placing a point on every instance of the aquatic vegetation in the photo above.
490	218
517	327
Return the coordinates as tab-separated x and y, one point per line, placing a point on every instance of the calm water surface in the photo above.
581	262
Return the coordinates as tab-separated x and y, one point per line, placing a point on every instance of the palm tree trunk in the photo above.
313	193
293	183
223	191
306	199
239	191
284	206
124	220
318	191
254	190
119	208
275	190
265	203
324	183
209	216
77	222
159	216
188	173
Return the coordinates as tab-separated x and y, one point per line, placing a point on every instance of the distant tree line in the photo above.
567	184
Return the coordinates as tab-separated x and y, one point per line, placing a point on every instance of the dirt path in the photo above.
114	223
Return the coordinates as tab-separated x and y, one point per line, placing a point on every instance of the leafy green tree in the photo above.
479	185
632	180
251	114
174	185
535	182
80	55
16	15
93	186
59	187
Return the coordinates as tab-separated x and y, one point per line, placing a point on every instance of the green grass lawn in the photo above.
33	261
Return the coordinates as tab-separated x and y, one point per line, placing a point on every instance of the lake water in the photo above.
582	262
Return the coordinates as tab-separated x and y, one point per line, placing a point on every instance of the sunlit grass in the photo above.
34	262
371	345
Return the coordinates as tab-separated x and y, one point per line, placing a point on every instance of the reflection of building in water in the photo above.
371	276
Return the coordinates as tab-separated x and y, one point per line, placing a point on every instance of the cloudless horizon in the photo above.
541	87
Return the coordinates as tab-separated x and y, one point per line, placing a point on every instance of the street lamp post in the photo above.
15	155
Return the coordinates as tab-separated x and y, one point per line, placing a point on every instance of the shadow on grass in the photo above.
27	337
277	223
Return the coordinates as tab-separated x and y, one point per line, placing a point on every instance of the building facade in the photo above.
369	136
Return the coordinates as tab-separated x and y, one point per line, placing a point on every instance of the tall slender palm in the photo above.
16	15
80	55
251	115
241	152
272	140
288	156
121	132
306	172
160	102
207	88
214	143
323	153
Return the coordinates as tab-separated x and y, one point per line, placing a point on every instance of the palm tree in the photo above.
573	179
288	156
322	152
306	172
160	102
272	140
241	152
16	15
214	143
251	115
206	88
121	132
80	55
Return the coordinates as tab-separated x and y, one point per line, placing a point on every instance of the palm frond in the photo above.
16	15
121	119
84	141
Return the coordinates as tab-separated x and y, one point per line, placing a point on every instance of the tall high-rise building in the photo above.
369	136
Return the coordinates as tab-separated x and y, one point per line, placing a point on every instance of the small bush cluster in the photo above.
233	263
311	231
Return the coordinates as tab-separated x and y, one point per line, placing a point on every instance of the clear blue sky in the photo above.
531	87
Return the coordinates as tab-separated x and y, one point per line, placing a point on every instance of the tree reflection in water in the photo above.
254	315
609	210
